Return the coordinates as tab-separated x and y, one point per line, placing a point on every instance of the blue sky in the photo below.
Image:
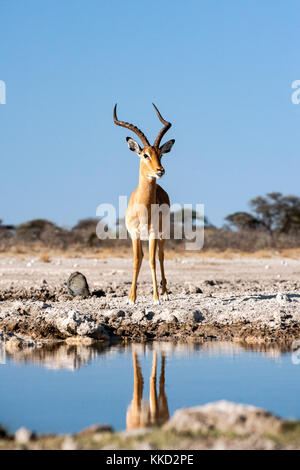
220	71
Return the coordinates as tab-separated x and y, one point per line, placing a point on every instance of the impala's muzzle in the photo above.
160	172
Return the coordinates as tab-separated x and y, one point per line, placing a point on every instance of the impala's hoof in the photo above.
130	302
156	302
165	297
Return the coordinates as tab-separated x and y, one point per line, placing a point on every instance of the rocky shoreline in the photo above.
233	300
220	426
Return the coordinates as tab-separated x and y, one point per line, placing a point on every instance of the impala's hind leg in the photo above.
152	253
161	256
137	262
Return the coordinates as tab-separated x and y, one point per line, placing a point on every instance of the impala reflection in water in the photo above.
142	413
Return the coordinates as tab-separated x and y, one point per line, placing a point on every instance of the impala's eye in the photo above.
146	156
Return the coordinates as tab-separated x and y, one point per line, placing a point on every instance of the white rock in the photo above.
75	323
282	298
224	416
23	436
45	305
69	443
137	317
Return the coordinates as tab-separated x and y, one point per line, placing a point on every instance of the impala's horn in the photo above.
133	128
166	127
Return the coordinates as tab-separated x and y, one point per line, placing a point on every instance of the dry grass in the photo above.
287	437
45	258
76	251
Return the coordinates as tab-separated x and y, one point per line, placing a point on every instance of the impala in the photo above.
155	411
148	194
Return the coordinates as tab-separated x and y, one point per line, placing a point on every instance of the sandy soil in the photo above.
247	299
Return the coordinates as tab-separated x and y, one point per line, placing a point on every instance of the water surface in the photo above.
67	388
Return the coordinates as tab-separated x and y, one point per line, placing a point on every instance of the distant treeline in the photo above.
273	222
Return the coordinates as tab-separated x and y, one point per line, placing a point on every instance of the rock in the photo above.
165	316
195	290
282	299
184	316
144	446
198	317
77	285
192	289
121	314
14	343
137	317
172	318
224	416
98	293
76	323
45	305
23	436
69	443
92	330
95	428
80	340
149	316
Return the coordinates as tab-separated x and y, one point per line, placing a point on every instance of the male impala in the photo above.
142	413
139	215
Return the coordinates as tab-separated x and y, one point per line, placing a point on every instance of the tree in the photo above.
6	231
290	220
277	212
6	227
243	220
274	212
41	230
187	214
85	231
34	229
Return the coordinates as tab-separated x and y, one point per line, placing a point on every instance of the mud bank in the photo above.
247	300
219	425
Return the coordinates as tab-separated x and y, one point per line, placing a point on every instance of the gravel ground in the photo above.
246	299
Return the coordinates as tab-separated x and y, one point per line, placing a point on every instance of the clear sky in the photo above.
220	71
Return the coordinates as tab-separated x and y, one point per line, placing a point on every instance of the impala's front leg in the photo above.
153	393
161	256
152	253
137	261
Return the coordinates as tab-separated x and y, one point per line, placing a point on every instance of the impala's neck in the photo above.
147	187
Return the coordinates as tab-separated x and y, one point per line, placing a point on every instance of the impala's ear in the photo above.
166	147
133	145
